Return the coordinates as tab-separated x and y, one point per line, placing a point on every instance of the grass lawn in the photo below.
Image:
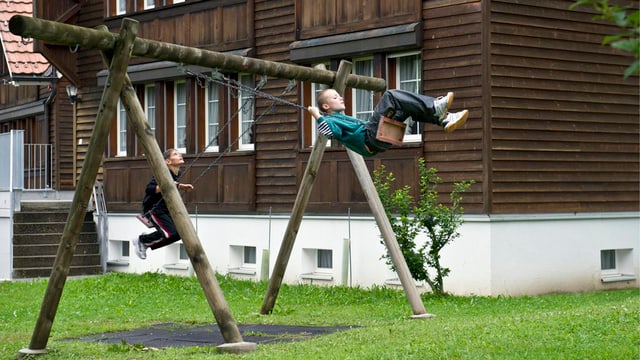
597	325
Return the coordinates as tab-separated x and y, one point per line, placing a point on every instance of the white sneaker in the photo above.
455	120
141	249
442	105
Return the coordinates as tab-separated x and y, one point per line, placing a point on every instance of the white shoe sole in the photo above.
454	125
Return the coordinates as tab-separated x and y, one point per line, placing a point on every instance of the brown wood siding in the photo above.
220	184
61	136
276	133
564	123
330	17
453	61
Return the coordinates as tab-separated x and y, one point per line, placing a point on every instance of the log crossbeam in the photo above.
86	38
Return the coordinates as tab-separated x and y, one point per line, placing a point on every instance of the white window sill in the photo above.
118	263
317	276
242	271
176	266
617	277
397	282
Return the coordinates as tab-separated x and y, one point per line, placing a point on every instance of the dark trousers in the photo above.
165	234
399	105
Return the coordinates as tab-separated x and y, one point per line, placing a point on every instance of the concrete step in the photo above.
45	216
52	250
51	239
49	228
34	272
26	262
47	205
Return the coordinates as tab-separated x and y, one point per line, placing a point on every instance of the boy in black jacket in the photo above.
155	209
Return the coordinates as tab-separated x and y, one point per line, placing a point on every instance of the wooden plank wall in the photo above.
564	123
276	133
453	61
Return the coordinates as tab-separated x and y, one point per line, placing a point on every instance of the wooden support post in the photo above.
300	204
193	246
71	35
388	235
71	233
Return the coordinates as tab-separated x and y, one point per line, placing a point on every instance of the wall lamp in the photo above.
72	92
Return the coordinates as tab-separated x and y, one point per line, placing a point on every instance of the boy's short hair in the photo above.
167	153
321	97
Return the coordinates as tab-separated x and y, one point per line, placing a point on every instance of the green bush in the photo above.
627	19
409	218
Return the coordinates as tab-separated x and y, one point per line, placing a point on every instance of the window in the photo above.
212	114
183	253
363	104
121	7
608	259
249	258
149	4
180	120
317	264
242	260
121	122
324	259
408	68
150	105
616	265
124	248
246	103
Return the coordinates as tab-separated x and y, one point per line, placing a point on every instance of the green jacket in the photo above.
350	131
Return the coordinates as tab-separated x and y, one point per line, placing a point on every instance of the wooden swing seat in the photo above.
390	131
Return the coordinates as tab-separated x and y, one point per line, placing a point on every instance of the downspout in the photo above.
48	101
47	115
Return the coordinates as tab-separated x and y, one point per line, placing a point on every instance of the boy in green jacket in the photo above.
360	136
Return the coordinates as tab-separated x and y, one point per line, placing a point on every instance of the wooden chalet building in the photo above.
551	142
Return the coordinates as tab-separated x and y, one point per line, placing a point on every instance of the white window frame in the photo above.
248	111
150	105
180	118
121	132
315	89
366	112
149	4
212	120
416	83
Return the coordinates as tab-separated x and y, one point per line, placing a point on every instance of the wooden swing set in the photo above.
116	50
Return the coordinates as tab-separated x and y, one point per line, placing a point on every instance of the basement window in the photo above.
317	264
242	260
616	265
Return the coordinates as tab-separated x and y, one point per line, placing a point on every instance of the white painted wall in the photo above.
6	234
497	255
